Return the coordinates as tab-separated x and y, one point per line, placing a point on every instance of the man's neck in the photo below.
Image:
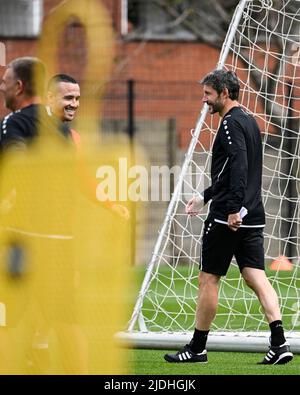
27	101
228	106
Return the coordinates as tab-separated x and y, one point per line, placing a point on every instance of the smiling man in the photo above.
63	97
234	226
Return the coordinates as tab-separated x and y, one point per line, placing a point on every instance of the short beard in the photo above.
216	107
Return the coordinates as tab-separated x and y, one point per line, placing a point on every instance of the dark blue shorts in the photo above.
220	244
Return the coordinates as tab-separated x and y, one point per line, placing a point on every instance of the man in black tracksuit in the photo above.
22	87
23	97
234	226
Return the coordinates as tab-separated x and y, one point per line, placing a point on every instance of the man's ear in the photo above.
225	93
19	87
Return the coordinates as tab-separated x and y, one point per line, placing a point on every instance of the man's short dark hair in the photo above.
56	79
222	79
32	72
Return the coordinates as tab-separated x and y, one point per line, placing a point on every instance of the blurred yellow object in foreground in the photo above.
63	264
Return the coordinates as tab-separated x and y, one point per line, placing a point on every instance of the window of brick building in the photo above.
152	19
20	18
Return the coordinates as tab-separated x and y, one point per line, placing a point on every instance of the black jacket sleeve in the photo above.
17	129
233	141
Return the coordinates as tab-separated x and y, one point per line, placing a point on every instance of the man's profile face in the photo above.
214	100
8	85
64	102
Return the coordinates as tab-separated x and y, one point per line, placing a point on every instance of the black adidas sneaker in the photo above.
278	355
186	355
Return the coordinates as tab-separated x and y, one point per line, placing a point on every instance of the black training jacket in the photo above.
21	127
236	169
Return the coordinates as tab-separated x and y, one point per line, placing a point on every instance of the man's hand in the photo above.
194	205
234	221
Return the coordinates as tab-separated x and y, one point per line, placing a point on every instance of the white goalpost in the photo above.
263	47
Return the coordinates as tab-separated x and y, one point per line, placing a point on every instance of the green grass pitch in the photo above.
151	362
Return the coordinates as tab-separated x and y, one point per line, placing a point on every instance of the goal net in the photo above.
262	46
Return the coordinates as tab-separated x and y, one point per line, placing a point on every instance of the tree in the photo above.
214	16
